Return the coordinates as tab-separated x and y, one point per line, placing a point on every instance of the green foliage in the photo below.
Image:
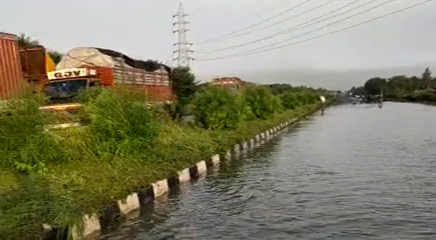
402	87
220	108
55	56
26	42
293	100
23	210
374	85
25	145
121	124
262	102
290	100
428	95
184	87
278	89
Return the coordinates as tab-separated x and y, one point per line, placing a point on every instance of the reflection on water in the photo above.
358	172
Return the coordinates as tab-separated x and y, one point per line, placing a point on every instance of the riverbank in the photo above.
408	101
78	181
316	181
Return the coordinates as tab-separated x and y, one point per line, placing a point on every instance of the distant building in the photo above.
230	82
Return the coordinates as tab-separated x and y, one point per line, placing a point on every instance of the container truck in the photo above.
86	67
21	68
11	76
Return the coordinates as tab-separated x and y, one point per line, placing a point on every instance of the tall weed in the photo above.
25	145
120	123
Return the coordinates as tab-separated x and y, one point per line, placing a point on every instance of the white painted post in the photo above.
228	155
184	175
252	143
244	145
237	149
216	159
201	167
160	188
129	204
91	226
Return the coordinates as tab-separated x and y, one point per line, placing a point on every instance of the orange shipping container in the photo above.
11	77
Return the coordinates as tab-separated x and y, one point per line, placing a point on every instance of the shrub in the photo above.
121	122
219	108
292	100
25	145
289	100
262	102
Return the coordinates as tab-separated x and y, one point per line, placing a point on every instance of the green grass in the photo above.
124	147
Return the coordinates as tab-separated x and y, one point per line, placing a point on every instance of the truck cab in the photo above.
64	86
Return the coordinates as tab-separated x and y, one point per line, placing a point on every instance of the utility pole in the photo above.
182	51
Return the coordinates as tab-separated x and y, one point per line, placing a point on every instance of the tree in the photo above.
280	88
412	88
374	85
220	108
262	102
26	42
357	91
184	87
55	56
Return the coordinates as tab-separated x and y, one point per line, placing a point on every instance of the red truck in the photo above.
83	68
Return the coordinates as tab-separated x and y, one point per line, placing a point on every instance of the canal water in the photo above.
358	172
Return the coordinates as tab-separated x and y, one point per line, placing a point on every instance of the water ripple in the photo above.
359	172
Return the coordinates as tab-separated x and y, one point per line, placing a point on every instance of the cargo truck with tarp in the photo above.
87	67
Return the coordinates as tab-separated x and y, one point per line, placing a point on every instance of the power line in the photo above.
255	51
253	25
299	26
284	20
240	9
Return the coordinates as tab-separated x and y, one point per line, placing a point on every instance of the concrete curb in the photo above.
184	176
130	204
93	225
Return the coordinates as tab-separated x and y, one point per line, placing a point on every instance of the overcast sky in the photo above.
143	29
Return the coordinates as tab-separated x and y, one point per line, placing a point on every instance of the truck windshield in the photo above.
64	91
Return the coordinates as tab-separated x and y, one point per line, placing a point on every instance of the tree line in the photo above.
217	107
403	88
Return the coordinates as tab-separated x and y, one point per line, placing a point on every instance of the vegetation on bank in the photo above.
54	177
401	88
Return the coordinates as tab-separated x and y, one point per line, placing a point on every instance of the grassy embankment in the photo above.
54	177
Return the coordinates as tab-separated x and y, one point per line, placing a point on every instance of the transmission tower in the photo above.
182	51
